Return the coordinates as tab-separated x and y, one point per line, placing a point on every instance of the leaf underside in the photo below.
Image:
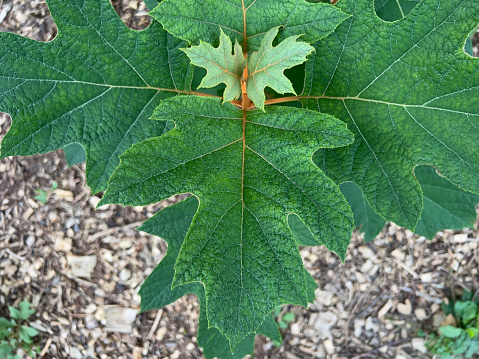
406	101
96	84
266	66
249	172
172	224
194	20
222	66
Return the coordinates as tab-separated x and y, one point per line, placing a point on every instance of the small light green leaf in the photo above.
31	332
450	331
25	310
266	67
288	317
194	20
222	66
249	170
14	312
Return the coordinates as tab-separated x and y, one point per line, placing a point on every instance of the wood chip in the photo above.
82	266
119	319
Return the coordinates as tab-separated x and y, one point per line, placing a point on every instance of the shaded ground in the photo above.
370	307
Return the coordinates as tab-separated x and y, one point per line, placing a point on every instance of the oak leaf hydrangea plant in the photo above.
264	159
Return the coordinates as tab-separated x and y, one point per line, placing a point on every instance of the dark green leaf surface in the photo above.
172	224
445	206
392	10
407	102
74	154
266	66
151	4
194	20
249	171
365	219
96	84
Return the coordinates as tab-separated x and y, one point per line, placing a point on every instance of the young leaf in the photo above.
25	310
96	84
246	21
450	331
249	170
266	66
392	10
222	66
5	323
29	331
406	102
14	312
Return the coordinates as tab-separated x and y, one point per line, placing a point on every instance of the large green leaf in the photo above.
406	101
74	154
392	10
249	170
445	206
96	84
172	224
194	20
365	219
151	4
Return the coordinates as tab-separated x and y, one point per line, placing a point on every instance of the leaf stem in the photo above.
282	100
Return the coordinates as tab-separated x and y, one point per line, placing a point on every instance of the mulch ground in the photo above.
81	269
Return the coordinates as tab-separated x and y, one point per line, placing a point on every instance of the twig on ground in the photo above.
46	347
155	324
110	231
394	344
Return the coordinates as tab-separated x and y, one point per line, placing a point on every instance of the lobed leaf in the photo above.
406	102
445	206
222	66
266	66
172	223
246	21
249	170
95	84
